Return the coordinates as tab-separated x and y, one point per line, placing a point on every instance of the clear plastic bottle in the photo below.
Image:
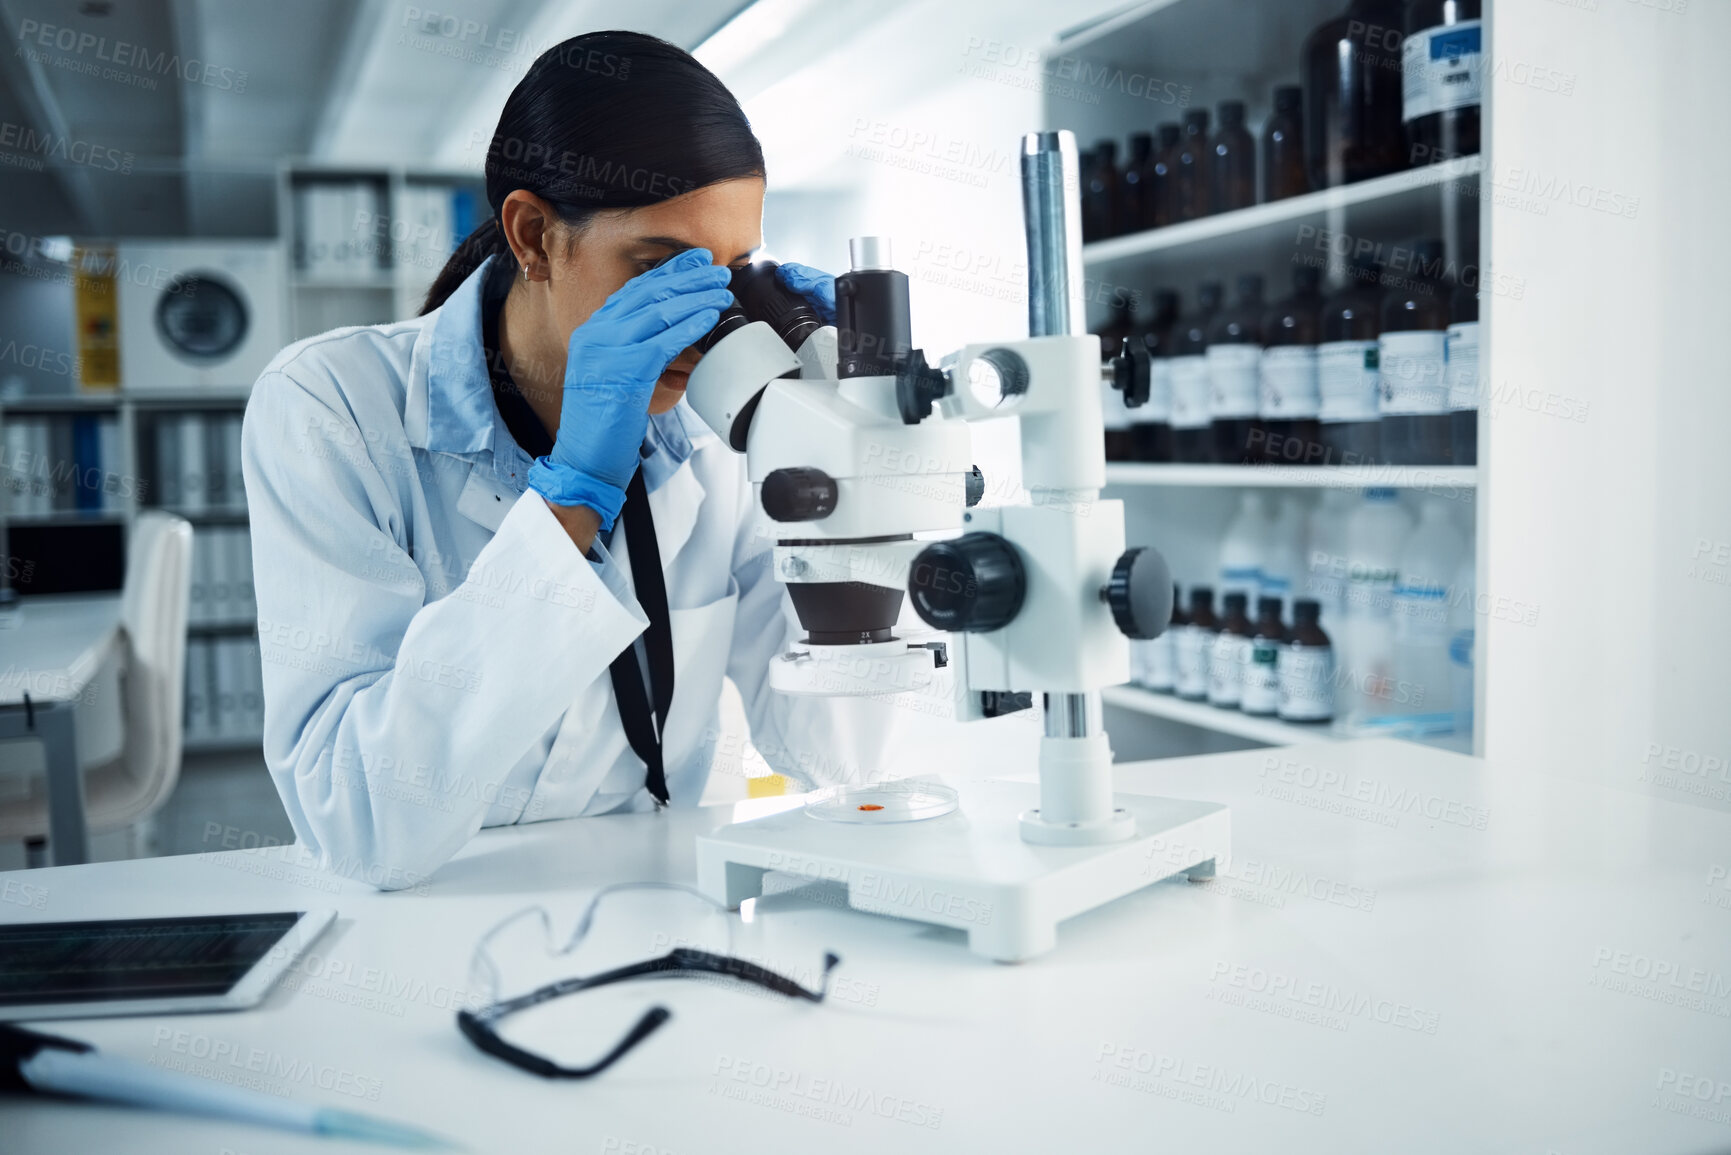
1462	635
1192	439
1134	211
1306	668
1419	610
1261	694
1230	654
1283	173
1151	424
1290	398
1162	189
1283	565
1375	535
1412	354
1234	374
1464	379
1325	561
1443	78
1348	374
1232	161
1190	169
1242	545
1352	86
1192	646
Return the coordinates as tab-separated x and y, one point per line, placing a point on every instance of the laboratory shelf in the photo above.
1270	731
62	403
384	282
1432	478
216	397
67	517
1383	205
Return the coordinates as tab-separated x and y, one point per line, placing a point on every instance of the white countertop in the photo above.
52	646
1410	951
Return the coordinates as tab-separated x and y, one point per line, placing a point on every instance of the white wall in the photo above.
1609	525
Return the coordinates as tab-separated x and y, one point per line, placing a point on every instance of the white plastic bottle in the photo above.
1419	610
1325	553
1375	534
1241	550
1283	565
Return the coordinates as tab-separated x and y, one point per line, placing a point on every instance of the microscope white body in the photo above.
1027	856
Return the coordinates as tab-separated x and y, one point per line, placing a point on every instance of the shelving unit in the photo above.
1205	52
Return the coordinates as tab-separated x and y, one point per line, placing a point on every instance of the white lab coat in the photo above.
436	649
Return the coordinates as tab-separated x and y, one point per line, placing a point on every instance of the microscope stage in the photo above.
969	869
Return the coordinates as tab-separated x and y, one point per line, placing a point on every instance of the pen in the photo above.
32	1061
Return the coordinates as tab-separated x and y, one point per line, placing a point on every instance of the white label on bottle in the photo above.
1412	372
1261	693
1442	68
1462	371
1289	382
1159	662
1114	414
1306	683
1189	392
1190	652
1348	380
1159	407
1369	591
1233	380
1231	653
1421	613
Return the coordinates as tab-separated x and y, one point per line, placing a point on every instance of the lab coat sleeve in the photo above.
391	723
813	739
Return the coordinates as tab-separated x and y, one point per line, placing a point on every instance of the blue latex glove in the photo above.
611	367
815	285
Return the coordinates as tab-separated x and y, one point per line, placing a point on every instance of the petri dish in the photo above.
904	800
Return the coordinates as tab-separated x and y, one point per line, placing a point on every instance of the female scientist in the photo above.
502	567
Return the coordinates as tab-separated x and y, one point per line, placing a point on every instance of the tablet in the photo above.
149	966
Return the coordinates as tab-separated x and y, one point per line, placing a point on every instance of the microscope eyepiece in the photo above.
759	295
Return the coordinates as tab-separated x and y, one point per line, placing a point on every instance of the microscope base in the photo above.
970	869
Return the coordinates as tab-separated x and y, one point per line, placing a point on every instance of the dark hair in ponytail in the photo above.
606	120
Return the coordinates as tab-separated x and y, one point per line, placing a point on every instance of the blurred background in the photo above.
1428	294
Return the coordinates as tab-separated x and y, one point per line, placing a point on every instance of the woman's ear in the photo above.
528	224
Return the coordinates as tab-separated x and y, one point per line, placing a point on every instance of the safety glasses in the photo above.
683	914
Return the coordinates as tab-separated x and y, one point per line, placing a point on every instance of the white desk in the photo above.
51	651
1431	984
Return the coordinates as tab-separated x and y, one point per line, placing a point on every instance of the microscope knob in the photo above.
1132	374
973	583
1140	593
976	483
918	388
799	494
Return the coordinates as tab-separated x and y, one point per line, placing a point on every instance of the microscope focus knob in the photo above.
973	583
799	494
1140	593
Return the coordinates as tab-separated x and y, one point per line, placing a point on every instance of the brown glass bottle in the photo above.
1347	374
1234	361
1283	172
1306	667
1134	211
1192	440
1463	374
1100	193
1190	169
1413	357
1194	644
1352	83
1231	161
1444	79
1120	325
1261	692
1290	401
1231	652
1162	189
1151	424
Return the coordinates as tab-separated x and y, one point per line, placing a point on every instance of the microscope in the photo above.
854	445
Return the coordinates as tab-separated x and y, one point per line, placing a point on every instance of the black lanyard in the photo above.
643	730
643	724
